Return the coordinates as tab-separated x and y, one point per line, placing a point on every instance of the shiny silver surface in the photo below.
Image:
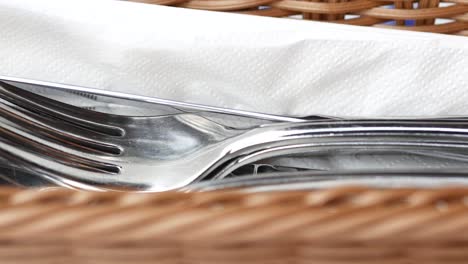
79	148
307	180
145	105
360	153
166	106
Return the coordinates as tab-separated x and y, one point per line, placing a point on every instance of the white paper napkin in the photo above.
281	66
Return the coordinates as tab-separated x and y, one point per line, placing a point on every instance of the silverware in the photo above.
164	105
79	148
352	159
307	180
446	152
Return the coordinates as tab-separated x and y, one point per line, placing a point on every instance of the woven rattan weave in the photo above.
344	225
422	15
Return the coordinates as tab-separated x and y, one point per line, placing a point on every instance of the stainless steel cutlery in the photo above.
80	148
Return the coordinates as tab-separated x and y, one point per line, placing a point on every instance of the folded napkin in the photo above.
281	66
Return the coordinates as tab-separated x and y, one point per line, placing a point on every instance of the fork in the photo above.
306	180
80	148
171	107
164	105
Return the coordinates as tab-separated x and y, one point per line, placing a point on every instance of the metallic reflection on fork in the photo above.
79	148
307	180
144	105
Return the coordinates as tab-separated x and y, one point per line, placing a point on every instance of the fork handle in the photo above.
280	139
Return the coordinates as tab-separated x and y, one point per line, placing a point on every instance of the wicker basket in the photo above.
415	15
333	226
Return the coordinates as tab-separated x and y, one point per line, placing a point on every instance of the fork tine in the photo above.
14	172
38	172
49	150
73	115
56	130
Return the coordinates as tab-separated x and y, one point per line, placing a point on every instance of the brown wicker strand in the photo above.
341	225
369	12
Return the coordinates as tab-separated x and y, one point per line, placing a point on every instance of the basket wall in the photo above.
333	226
418	15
